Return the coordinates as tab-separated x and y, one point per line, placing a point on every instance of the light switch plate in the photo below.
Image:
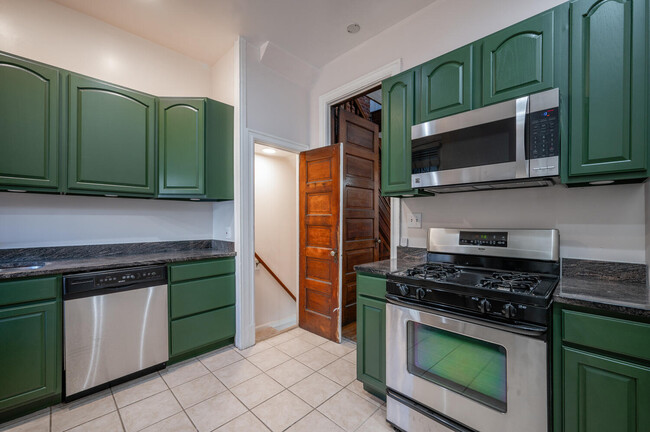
415	220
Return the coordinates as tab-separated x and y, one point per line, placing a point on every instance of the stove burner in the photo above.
513	282
435	271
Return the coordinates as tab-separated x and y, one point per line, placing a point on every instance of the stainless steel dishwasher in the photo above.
115	327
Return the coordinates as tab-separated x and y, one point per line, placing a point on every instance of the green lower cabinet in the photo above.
608	132
195	142
31	347
29	125
371	334
111	139
603	394
201	307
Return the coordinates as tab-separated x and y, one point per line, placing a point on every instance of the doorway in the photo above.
344	218
276	240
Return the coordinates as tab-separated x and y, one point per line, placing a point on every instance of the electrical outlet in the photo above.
228	233
404	242
415	220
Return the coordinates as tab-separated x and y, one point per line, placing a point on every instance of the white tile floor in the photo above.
296	381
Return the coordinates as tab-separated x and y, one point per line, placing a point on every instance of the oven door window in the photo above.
486	144
474	368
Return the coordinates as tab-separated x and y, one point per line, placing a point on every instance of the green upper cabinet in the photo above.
446	86
111	139
602	394
181	147
195	149
398	111
608	91
518	60
29	125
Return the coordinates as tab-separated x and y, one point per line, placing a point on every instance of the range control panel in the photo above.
474	238
544	139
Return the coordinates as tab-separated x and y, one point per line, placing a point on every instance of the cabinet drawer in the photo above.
28	290
610	334
371	286
201	269
196	296
199	330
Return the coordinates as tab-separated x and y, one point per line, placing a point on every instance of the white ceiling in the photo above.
313	30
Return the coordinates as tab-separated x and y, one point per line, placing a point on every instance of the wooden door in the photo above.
360	206
181	147
446	85
319	241
608	94
29	124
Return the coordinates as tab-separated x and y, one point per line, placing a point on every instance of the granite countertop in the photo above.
77	259
406	257
608	286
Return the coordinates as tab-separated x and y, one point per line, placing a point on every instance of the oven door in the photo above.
486	378
483	145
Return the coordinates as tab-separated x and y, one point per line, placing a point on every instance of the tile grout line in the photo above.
119	414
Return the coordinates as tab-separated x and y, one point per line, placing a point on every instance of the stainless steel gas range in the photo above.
466	333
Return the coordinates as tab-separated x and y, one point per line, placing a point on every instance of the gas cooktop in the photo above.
500	275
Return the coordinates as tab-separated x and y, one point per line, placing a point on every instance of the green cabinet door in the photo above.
371	336
29	358
398	111
181	147
446	85
608	90
518	60
220	164
29	125
111	139
602	394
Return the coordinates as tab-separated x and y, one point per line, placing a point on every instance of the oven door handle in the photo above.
522	329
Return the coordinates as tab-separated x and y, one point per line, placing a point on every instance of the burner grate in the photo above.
436	271
512	282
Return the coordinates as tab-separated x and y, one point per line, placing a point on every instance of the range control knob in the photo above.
509	311
403	289
484	306
420	293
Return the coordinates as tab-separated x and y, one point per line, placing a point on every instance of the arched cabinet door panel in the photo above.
608	90
518	60
111	139
446	86
29	125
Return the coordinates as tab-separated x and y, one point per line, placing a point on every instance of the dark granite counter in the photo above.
607	286
76	259
406	257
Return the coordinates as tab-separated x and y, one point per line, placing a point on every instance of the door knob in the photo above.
333	253
378	240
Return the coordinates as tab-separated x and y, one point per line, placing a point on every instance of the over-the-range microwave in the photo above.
511	144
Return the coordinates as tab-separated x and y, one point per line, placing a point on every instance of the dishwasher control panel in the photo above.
80	285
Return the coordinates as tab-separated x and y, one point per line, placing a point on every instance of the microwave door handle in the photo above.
521	107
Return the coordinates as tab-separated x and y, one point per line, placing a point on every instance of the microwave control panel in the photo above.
544	140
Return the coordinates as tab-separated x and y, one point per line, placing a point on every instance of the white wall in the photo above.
275	105
276	227
30	220
601	223
595	223
50	33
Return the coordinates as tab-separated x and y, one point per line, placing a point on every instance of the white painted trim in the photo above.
348	90
244	210
277	142
395	219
